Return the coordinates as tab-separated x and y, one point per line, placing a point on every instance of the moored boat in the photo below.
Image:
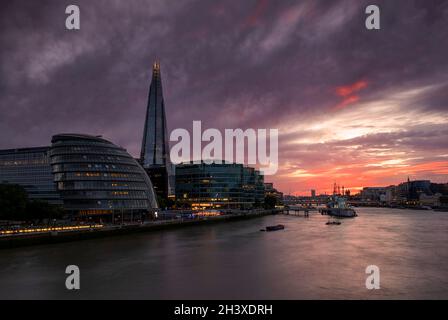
339	208
275	228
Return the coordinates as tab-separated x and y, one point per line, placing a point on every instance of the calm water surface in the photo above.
234	260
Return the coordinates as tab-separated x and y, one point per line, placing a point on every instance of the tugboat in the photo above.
274	228
337	207
333	223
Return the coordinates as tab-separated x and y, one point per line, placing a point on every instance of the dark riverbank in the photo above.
18	240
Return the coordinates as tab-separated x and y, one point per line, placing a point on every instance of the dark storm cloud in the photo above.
228	63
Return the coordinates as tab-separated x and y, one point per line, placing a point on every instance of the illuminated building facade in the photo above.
97	178
218	186
155	151
269	190
30	168
373	193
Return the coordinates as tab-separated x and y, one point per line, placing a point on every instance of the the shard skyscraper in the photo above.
155	156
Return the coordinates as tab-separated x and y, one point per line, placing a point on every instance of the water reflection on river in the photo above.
234	260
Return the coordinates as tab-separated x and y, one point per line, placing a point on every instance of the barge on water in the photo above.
274	228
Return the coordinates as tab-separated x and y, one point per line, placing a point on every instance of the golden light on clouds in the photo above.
380	141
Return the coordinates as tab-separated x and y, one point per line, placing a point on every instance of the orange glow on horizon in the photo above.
356	177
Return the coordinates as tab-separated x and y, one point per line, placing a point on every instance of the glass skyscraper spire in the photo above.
155	150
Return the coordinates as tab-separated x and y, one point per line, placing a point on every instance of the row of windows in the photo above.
214	195
90	212
220	169
97	176
196	184
71	194
92	158
210	189
29	183
94	212
211	182
237	170
27	175
72	204
82	143
101	185
211	178
205	174
25	162
219	183
14	174
218	200
90	150
95	166
23	156
219	172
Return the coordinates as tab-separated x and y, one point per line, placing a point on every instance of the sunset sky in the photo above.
355	107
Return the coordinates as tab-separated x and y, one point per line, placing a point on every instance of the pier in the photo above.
295	211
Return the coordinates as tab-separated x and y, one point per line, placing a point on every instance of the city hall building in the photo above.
218	186
88	175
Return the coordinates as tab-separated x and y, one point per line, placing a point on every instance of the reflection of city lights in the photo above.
50	229
210	213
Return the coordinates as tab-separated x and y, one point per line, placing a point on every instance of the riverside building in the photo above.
89	176
218	186
30	168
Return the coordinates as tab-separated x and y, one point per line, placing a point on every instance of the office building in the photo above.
89	176
97	178
373	193
219	186
30	168
155	150
269	190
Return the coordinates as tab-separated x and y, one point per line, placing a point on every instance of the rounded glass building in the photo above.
97	178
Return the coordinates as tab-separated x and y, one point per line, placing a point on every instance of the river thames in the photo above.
234	260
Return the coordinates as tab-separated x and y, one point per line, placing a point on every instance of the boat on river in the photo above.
274	228
338	207
330	223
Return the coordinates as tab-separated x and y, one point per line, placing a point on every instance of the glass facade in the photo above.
155	151
30	168
226	186
96	177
